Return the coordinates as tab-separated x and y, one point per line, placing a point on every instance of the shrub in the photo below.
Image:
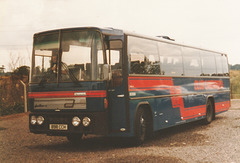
7	110
235	83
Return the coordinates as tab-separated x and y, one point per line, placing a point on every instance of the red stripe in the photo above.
99	93
150	89
141	83
222	106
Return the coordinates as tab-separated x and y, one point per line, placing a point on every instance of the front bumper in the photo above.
98	126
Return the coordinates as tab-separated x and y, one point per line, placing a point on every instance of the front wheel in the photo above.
140	127
75	138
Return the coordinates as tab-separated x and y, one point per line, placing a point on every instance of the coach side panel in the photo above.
175	100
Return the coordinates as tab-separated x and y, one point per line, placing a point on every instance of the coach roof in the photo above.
113	31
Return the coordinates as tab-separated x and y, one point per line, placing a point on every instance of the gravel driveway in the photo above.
193	142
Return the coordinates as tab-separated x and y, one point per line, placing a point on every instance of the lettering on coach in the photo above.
208	84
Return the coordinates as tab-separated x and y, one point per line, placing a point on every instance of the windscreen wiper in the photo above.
70	73
47	75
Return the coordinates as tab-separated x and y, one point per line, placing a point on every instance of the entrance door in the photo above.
116	94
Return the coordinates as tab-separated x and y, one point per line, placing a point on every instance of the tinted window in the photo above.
219	64
114	56
170	59
208	64
192	62
225	65
143	54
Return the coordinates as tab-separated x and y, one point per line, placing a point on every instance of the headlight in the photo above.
40	120
33	120
86	121
76	121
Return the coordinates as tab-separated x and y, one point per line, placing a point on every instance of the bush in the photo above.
7	110
12	92
235	83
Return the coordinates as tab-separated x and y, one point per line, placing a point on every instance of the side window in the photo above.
137	63
143	54
170	59
191	62
225	65
219	64
114	57
208	64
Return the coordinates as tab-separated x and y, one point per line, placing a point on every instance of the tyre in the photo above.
141	127
75	138
209	113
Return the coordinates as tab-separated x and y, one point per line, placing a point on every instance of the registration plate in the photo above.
58	126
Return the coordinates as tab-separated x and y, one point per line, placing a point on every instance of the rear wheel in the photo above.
209	112
75	138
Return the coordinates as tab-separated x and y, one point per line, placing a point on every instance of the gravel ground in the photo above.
193	142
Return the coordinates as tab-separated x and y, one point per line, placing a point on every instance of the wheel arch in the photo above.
148	110
211	98
146	106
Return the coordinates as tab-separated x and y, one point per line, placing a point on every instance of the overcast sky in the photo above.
211	24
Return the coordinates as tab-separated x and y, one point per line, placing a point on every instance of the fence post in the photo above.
25	96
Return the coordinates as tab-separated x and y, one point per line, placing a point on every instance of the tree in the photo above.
235	67
22	71
14	61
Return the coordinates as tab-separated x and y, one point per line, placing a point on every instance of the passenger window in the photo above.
137	66
208	64
219	64
225	65
143	54
192	62
170	59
